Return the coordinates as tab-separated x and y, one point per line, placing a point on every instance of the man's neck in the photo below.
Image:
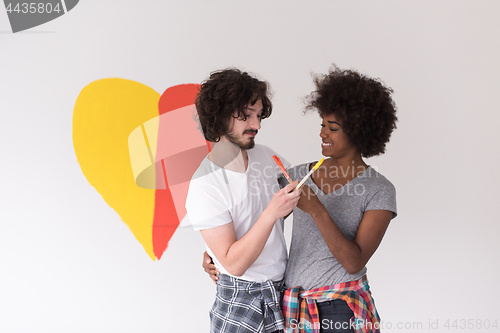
229	156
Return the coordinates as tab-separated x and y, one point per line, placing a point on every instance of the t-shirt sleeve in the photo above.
282	181
384	198
206	206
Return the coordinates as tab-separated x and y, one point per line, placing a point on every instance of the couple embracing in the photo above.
238	199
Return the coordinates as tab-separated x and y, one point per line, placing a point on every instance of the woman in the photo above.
344	209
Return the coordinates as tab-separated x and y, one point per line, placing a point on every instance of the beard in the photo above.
239	140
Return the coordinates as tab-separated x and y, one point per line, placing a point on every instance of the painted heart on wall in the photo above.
139	150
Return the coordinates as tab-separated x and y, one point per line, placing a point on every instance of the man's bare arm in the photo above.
237	255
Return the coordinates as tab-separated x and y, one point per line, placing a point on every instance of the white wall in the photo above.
67	262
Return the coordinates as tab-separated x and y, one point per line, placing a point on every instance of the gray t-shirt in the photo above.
311	264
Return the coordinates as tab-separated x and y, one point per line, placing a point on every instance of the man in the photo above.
235	201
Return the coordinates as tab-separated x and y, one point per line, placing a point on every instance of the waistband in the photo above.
232	282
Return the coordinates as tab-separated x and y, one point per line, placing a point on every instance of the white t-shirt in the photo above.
217	196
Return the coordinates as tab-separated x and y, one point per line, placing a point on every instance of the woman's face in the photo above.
335	142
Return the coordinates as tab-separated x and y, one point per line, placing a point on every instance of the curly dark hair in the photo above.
363	105
225	92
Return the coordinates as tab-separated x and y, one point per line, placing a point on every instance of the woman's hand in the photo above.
209	267
309	201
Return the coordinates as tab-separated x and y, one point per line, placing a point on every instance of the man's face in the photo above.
242	132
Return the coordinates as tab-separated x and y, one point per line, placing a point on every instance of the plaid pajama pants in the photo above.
246	307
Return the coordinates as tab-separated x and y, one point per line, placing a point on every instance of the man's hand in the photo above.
209	267
283	201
